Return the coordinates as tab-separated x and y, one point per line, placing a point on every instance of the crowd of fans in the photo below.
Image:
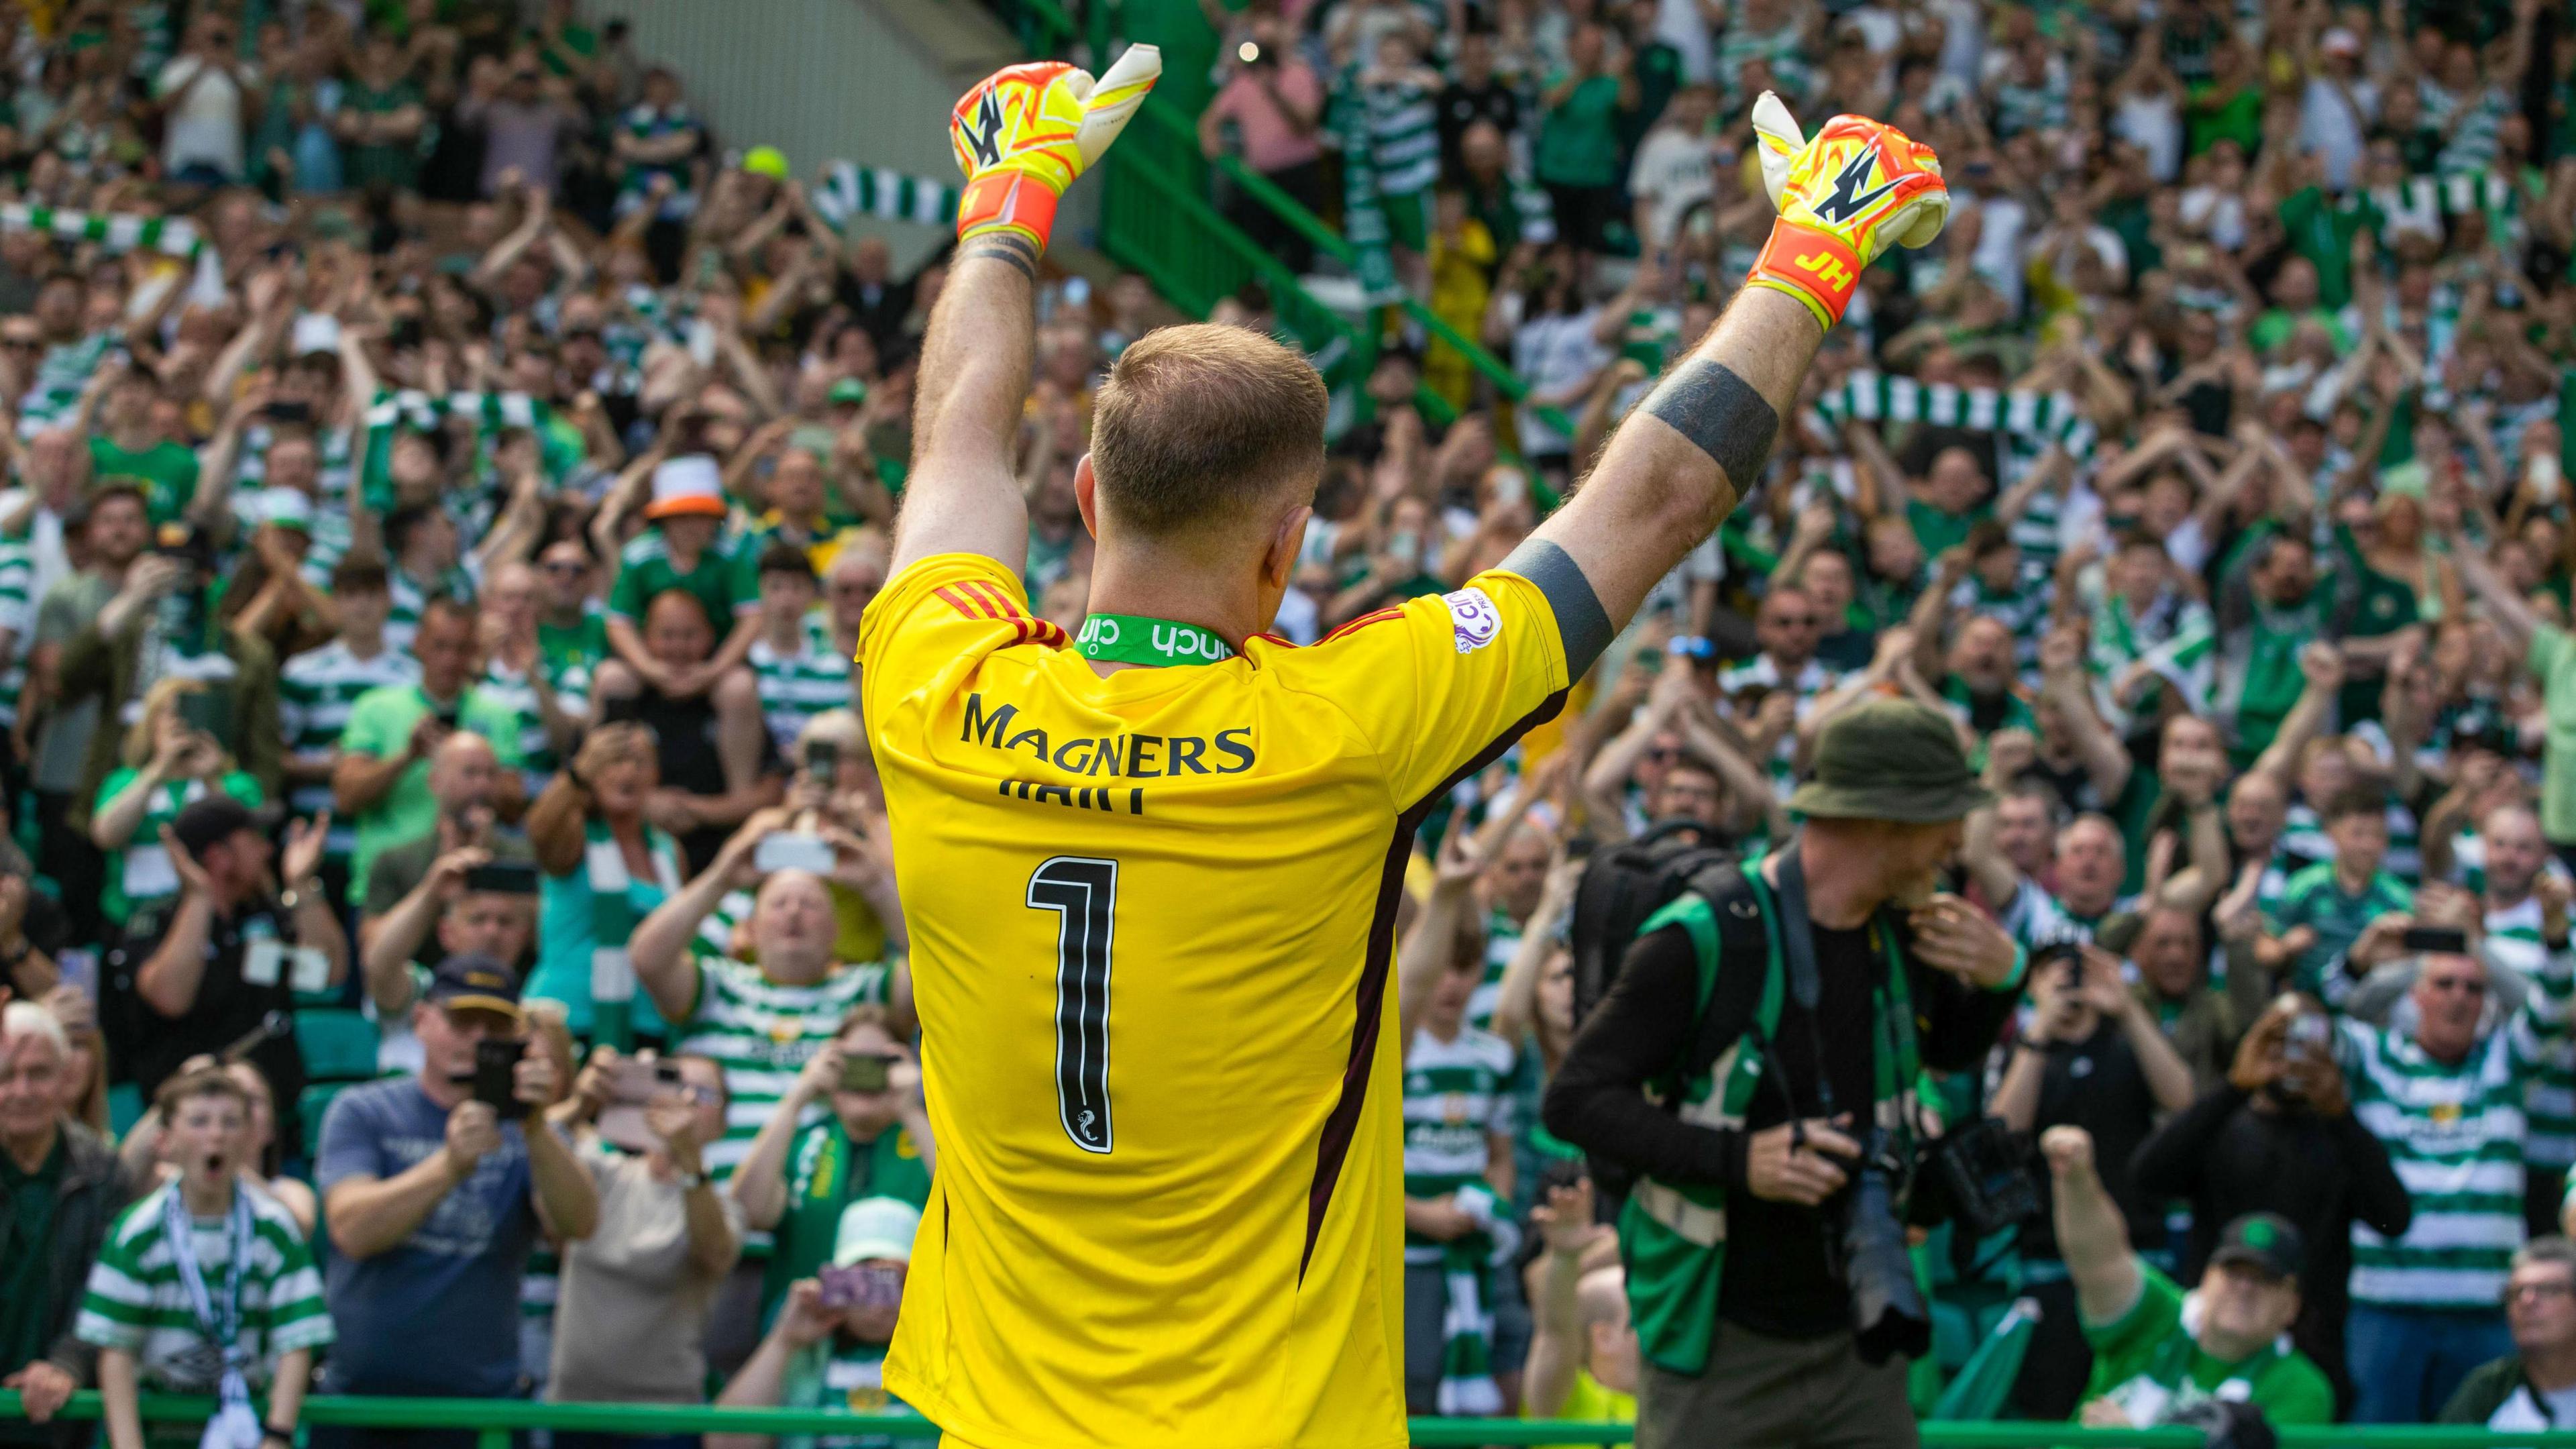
430	581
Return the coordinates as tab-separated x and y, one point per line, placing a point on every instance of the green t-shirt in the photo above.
166	472
2321	229
1938	531
726	581
26	1249
2275	326
2316	899
2148	1364
585	643
827	1172
2553	659
1578	142
142	873
380	726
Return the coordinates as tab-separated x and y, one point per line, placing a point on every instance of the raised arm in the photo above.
2090	1235
962	495
1700	440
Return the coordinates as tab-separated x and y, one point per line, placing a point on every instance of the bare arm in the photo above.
962	495
2090	1235
1657	493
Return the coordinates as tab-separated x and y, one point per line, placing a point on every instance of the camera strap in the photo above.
1891	1008
1798	951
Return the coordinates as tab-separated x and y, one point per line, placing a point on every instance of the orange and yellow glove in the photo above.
1859	187
1026	131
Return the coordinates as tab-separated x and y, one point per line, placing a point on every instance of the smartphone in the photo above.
823	758
447	715
2309	1034
495	1080
866	1071
209	712
503	877
789	850
2435	940
630	1091
293	410
863	1285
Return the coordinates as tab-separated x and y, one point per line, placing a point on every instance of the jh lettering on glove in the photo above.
1855	189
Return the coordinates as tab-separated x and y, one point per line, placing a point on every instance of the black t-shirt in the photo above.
227	1009
2095	1084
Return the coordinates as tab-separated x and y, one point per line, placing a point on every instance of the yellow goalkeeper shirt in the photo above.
1152	922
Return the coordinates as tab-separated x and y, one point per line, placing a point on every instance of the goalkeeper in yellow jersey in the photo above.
1151	869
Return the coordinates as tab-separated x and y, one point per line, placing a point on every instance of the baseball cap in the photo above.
687	486
474	982
849	391
2266	1240
875	1227
765	161
284	507
314	332
215	818
2339	41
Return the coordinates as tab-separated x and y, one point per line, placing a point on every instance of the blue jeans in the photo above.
2407	1362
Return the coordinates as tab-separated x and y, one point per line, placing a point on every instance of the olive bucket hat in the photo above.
1891	759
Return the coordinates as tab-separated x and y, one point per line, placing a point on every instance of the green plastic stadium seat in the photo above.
338	1045
124	1106
313	1104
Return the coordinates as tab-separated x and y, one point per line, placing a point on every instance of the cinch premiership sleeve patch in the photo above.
1441	681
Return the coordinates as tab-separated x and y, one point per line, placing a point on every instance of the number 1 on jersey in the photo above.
1083	892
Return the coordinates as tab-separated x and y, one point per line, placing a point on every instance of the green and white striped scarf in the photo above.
850	190
1455	1093
172	236
410	408
54	398
614	915
18	616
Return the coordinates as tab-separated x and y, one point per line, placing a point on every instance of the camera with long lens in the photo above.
1888	1313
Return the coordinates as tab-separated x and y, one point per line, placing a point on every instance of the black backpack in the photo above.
1620	888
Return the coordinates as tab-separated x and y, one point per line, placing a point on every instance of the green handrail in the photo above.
495	1419
1335	245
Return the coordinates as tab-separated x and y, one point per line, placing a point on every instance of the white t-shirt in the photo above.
1670	175
206	127
2333	129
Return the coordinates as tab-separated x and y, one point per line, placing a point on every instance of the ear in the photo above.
1279	560
1086	495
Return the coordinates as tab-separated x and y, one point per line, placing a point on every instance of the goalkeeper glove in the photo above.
1844	197
1027	131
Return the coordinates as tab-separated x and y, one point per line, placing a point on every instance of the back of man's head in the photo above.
1200	427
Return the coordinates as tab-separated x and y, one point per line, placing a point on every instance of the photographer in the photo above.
2154	1351
2279	1136
2093	1057
2446	1098
433	1201
800	1174
1778	1005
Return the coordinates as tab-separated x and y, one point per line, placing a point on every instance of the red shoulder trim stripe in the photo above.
1374	616
955	600
1007	611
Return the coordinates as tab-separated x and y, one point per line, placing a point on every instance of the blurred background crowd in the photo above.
447	474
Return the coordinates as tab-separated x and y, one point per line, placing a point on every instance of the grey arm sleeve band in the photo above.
1580	619
1722	416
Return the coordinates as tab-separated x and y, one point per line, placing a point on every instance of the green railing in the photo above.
1156	218
495	1419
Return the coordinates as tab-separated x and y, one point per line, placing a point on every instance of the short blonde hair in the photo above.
1198	425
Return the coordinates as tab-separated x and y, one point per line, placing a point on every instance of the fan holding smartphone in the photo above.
633	1308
